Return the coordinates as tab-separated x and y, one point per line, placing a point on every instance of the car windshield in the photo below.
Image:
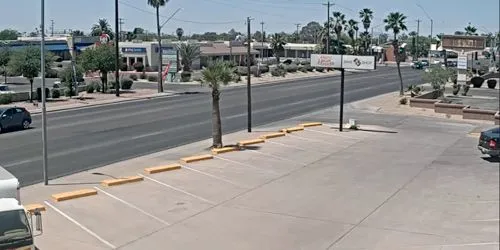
14	226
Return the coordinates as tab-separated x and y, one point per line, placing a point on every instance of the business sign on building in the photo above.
133	50
326	60
358	62
462	62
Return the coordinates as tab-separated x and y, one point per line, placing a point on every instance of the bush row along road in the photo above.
88	138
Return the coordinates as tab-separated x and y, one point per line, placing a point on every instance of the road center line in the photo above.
133	206
177	189
80	225
213	176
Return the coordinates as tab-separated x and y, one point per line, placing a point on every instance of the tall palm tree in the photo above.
339	23
102	27
366	16
277	45
179	32
470	30
352	30
217	74
157	4
396	22
188	53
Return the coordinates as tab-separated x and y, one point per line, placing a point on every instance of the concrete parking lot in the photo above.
398	183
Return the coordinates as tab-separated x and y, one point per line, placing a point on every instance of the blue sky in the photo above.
199	16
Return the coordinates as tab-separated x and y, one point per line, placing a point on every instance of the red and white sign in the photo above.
326	60
104	38
165	73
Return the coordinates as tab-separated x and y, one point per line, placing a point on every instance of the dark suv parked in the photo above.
14	117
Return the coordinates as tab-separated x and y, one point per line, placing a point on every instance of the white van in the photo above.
9	185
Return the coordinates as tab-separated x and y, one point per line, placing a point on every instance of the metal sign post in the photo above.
343	62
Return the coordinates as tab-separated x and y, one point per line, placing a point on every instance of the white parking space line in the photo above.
133	206
215	177
275	156
242	164
334	134
177	189
493	243
284	145
312	140
80	225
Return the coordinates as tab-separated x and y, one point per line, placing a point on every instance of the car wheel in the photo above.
26	124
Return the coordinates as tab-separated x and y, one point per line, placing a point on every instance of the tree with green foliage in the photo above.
438	76
9	34
68	77
5	54
352	31
102	27
366	16
396	22
277	45
214	76
27	62
470	30
189	53
101	58
339	23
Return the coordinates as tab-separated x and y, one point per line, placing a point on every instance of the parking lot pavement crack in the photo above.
389	198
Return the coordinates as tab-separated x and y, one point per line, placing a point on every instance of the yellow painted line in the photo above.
311	124
74	194
474	135
223	150
196	158
292	129
31	208
273	135
155	170
251	142
121	181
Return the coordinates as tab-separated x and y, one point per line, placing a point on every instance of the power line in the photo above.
176	19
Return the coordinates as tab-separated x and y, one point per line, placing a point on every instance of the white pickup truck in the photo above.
16	227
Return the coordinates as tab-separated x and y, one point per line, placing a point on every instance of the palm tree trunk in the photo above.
5	73
31	89
160	58
396	55
216	121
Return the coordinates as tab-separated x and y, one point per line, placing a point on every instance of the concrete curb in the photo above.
121	181
74	194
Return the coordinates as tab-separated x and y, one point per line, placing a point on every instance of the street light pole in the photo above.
160	56
117	51
44	110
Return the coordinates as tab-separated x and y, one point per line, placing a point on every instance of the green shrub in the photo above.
96	85
66	75
152	78
403	101
133	77
126	83
90	88
264	69
139	67
56	93
51	73
292	67
59	65
302	68
242	70
112	84
123	67
236	77
309	68
185	76
456	89
465	89
69	92
5	98
278	72
143	75
320	69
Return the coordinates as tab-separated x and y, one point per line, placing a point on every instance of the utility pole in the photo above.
370	42
328	4
298	34
117	51
44	109
51	27
249	81
121	22
262	41
416	39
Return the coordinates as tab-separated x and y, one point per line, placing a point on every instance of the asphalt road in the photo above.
92	137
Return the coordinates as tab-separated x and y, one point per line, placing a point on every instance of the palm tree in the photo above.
352	29
366	16
157	4
179	32
470	30
214	75
102	27
396	22
277	45
338	25
188	53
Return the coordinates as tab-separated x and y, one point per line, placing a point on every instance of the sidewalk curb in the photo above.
104	104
